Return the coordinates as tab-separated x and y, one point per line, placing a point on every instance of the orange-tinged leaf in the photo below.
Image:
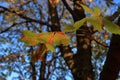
61	38
39	35
50	40
54	2
31	38
90	0
60	33
30	41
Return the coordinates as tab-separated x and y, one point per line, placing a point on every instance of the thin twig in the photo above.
68	7
25	17
101	43
7	29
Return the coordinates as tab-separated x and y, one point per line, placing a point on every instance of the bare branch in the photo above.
115	15
7	29
2	11
68	7
25	17
62	13
101	43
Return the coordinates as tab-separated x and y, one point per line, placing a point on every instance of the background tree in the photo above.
52	16
112	67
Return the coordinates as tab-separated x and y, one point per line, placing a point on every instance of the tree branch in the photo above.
25	17
2	11
68	7
13	26
101	43
115	15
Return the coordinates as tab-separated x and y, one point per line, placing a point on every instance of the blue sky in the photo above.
117	1
5	5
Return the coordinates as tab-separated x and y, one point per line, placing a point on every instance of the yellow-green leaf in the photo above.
51	39
79	23
95	22
50	47
87	9
30	38
97	11
61	38
111	27
68	28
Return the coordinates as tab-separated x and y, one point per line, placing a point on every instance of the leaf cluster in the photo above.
50	39
96	19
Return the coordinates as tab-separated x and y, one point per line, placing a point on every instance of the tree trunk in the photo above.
112	64
80	63
83	65
53	17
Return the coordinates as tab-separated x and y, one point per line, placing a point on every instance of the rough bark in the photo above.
80	63
112	64
53	16
83	65
84	68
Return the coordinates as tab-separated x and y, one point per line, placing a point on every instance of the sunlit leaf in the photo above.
61	38
50	47
79	23
90	0
97	11
29	38
95	22
68	28
87	9
49	38
55	38
54	2
83	1
111	27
